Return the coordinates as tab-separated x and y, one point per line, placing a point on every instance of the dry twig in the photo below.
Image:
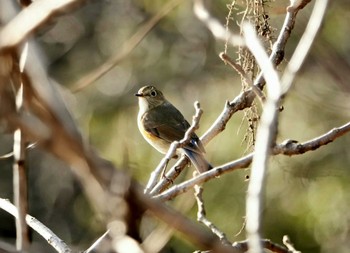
151	185
238	68
289	244
201	216
287	148
20	187
37	226
266	135
30	19
265	243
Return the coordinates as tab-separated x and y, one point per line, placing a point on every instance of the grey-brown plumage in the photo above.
161	123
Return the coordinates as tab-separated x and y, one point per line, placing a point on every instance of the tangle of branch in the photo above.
287	147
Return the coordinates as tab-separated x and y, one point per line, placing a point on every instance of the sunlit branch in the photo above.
304	45
20	186
287	148
216	28
37	226
201	216
172	151
238	68
265	137
265	243
29	19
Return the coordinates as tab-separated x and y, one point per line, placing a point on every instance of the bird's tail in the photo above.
198	160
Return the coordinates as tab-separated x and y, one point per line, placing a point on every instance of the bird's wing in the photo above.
170	125
167	124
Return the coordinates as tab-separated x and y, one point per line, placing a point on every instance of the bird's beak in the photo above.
138	95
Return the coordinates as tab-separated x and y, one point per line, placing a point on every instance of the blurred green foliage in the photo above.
307	196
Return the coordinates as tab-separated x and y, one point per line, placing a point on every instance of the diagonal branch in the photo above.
30	19
151	185
201	216
36	225
245	98
304	45
287	148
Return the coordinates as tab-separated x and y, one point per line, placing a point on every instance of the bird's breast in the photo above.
161	145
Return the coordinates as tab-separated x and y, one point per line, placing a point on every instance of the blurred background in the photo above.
307	196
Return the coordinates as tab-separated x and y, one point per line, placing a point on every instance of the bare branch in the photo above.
266	135
20	191
267	131
242	101
265	243
291	147
244	76
201	216
217	29
172	150
203	177
297	4
58	132
304	45
40	228
29	19
97	242
277	54
178	221
289	244
173	173
287	148
155	174
20	187
245	99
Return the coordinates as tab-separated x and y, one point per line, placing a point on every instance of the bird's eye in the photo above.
153	93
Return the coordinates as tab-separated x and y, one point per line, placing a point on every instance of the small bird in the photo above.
160	123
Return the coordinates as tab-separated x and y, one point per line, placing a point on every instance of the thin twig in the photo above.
289	244
304	44
97	242
201	216
240	102
30	19
287	148
277	54
20	191
218	30
265	137
173	173
193	231
37	226
58	132
228	18
218	126
155	175
20	187
292	147
243	74
245	99
265	243
172	150
10	154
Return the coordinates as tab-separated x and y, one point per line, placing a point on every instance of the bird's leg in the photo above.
164	170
